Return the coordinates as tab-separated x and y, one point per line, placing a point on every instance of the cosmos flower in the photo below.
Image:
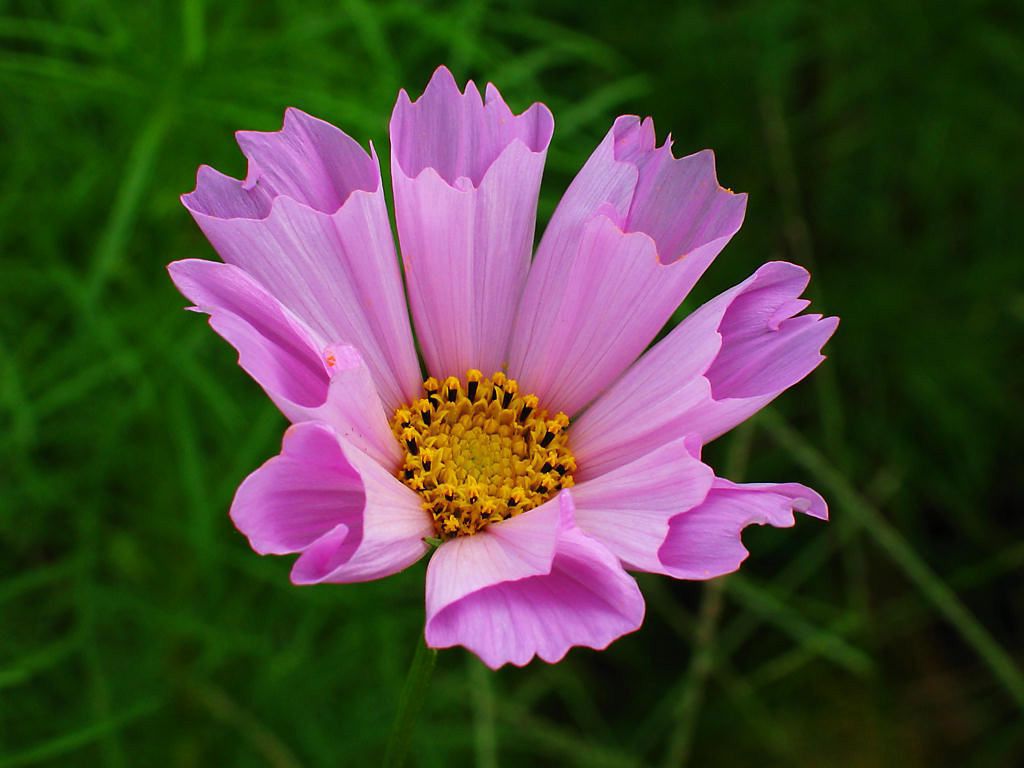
546	454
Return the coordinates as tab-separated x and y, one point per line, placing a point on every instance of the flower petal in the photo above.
630	238
299	495
284	357
614	296
350	518
310	223
466	177
354	408
705	542
628	508
308	160
274	347
722	364
459	135
533	585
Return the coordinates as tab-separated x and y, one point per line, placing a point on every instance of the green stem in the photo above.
409	705
485	736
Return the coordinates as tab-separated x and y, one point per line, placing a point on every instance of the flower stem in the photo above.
409	705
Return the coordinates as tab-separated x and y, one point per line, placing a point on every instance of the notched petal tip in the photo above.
217	195
492	94
767	345
706	542
795	277
307	160
442	79
804	500
459	135
679	202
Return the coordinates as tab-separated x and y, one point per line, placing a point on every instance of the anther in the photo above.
451	385
529	403
511	388
431	388
499	380
473	377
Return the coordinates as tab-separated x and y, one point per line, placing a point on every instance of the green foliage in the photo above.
881	145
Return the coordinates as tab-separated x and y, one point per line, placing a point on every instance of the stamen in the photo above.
529	403
452	387
473	377
511	387
424	409
481	454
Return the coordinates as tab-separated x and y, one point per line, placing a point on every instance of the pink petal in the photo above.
719	366
705	542
299	495
614	296
637	228
285	358
274	347
466	176
765	346
534	585
310	223
628	508
459	135
308	160
350	518
354	408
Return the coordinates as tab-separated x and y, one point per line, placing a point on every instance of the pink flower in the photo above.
548	453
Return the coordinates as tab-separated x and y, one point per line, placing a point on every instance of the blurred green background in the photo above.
881	144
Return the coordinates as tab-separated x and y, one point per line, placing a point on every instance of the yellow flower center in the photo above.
481	452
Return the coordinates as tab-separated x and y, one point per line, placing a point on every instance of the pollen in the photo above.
479	451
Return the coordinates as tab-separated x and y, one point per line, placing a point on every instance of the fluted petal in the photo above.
629	507
350	519
723	363
466	176
306	380
705	542
632	235
458	134
276	348
310	223
533	585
